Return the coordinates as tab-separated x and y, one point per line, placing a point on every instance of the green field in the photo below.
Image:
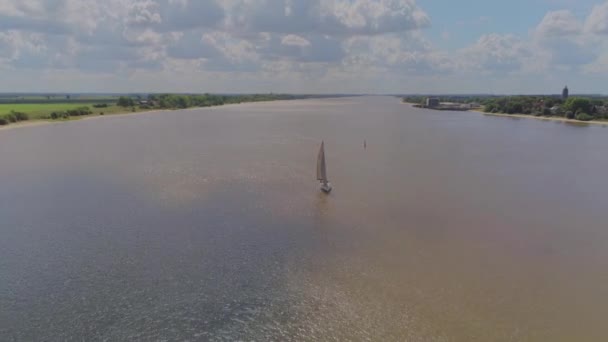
37	111
56	99
13	108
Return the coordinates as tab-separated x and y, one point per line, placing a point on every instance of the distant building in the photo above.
555	110
432	102
565	93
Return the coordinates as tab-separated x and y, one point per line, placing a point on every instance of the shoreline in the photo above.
526	116
544	118
41	122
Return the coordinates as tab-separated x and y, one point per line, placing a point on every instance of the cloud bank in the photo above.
273	45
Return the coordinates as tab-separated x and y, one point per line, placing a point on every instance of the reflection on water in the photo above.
209	225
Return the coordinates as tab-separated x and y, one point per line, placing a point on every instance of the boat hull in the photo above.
326	188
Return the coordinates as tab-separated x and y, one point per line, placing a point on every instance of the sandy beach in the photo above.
542	118
32	123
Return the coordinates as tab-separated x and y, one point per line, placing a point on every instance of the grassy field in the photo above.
56	99
37	111
36	107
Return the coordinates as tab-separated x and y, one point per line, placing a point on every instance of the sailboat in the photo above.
322	170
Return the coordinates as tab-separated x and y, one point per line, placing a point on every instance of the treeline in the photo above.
134	102
579	108
80	111
419	99
13	117
181	101
522	105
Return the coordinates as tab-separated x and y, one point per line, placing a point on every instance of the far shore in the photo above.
33	123
40	122
544	118
526	116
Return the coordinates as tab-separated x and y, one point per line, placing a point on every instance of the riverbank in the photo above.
544	118
525	116
450	107
23	110
127	112
39	122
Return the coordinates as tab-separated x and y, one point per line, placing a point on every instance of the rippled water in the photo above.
208	224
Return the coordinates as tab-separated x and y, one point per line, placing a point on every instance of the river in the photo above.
208	224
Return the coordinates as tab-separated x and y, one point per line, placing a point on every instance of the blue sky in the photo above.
311	46
470	19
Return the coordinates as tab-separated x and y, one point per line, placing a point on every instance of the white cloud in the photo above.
375	17
224	34
191	46
334	42
190	14
565	40
344	17
597	22
599	66
294	40
21	47
559	24
142	13
496	53
397	53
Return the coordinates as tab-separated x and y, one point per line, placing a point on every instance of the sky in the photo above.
304	46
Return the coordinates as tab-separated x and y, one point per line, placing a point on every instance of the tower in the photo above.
565	93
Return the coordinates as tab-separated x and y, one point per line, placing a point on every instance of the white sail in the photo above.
321	167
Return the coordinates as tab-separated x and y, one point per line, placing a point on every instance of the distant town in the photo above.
579	107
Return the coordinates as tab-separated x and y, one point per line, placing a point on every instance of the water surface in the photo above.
207	224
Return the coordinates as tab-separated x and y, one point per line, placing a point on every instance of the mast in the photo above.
321	166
